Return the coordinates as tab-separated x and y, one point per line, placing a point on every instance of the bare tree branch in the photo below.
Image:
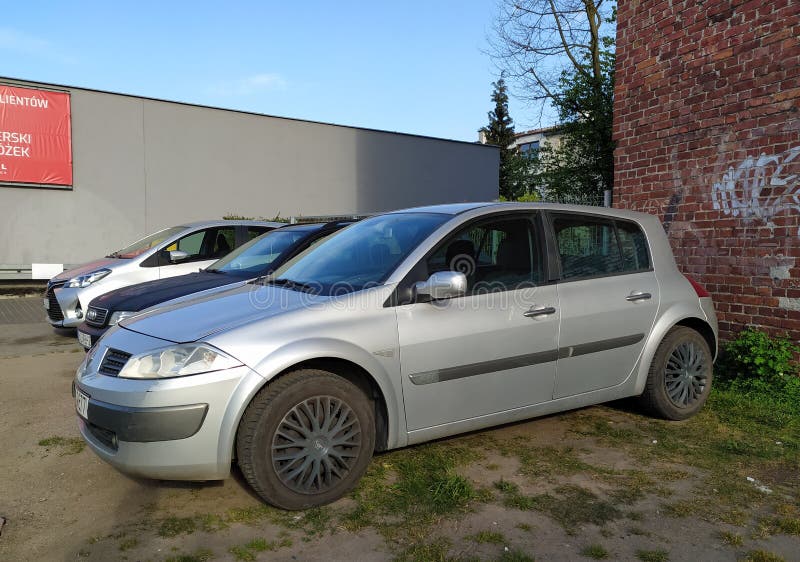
535	43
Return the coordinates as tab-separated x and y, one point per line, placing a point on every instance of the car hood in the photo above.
144	295
88	268
199	318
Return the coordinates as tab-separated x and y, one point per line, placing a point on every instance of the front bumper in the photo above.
65	308
172	429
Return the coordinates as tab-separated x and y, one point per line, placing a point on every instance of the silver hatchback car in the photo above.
405	327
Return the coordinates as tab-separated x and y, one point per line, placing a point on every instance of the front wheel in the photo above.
679	380
306	439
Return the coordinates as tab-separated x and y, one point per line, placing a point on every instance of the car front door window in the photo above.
498	255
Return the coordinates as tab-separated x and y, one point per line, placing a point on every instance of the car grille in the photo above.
96	316
54	312
113	362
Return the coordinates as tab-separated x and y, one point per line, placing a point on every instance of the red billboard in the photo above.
35	136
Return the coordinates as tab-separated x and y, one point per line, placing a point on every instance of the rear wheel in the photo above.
680	376
306	439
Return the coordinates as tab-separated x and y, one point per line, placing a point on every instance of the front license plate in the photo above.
81	403
46	303
85	340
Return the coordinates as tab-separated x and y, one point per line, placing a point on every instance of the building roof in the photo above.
539	131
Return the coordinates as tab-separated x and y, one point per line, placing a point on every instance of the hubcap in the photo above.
685	376
316	444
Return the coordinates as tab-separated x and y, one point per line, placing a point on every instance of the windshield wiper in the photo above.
294	285
114	255
209	270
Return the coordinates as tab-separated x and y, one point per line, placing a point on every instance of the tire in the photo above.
683	360
323	465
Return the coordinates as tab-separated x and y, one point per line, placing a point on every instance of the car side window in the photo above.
496	255
587	246
191	244
634	246
207	244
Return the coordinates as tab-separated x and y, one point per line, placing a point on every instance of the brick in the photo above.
700	90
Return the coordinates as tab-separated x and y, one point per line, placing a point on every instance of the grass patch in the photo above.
426	552
242	554
173	526
575	505
201	555
763	556
544	461
488	537
524	527
780	526
652	555
731	539
67	445
129	543
249	551
707	509
595	551
312	522
406	491
571	506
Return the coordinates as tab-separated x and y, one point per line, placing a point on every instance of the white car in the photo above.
173	251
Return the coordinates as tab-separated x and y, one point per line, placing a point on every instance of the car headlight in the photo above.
120	315
177	361
85	280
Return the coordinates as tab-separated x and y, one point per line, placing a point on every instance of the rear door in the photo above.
609	298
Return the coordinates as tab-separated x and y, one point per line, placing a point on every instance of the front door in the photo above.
493	349
609	298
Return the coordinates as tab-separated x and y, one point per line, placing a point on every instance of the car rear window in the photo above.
634	246
590	246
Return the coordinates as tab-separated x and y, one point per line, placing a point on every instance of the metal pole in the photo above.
607	198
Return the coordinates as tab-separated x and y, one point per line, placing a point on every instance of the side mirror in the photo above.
442	285
177	255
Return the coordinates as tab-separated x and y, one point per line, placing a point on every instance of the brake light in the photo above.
698	288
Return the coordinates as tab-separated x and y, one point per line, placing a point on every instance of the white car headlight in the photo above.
177	361
120	315
85	280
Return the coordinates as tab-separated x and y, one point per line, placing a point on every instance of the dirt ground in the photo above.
602	482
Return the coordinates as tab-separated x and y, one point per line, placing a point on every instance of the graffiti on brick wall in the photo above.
759	189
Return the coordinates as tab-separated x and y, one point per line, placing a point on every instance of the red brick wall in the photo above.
707	124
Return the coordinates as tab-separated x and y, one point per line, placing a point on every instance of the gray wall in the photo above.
140	165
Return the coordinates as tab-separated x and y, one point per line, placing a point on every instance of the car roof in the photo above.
304	227
460	208
225	222
446	209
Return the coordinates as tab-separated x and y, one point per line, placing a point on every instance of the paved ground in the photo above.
598	482
25	310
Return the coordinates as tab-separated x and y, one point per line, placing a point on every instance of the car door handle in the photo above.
541	311
633	297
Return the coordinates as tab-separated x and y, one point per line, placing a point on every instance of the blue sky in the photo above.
412	66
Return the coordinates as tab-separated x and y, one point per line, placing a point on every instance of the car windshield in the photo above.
255	256
141	246
362	255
